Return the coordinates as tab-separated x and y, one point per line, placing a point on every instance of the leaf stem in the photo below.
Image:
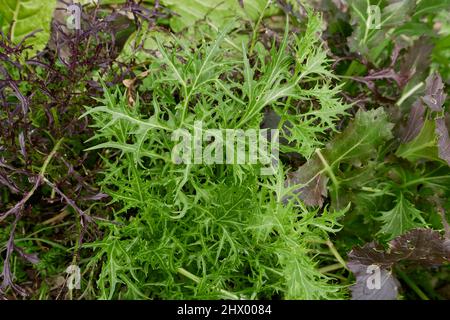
331	267
409	93
336	253
50	157
39	179
412	285
327	168
256	27
197	280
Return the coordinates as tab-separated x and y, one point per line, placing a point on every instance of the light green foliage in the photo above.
310	66
360	140
21	17
219	12
403	217
213	231
403	18
349	150
424	146
369	37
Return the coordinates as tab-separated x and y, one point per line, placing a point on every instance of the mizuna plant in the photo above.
215	231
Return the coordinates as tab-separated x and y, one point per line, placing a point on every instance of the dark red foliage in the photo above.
42	98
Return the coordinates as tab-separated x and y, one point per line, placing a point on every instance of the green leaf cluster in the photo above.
214	231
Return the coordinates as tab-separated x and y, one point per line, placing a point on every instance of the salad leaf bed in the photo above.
102	198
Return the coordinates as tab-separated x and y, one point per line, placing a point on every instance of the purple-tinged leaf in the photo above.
415	122
370	253
7	276
30	257
372	262
435	96
96	197
6	181
366	287
382	74
443	140
312	186
417	59
421	246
